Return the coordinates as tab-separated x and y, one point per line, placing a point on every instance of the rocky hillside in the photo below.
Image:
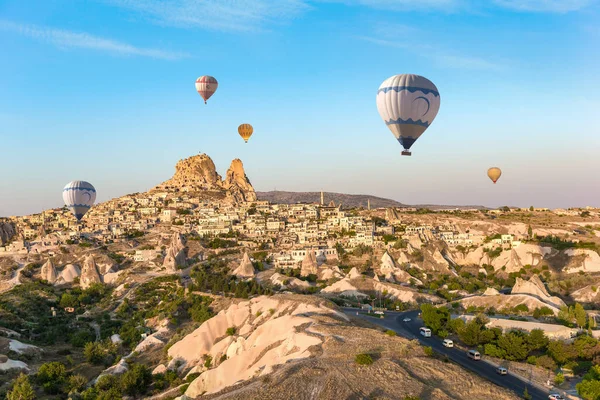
198	173
7	231
298	347
347	200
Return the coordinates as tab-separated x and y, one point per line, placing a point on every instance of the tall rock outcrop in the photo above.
535	287
7	232
89	273
309	264
176	253
49	272
198	173
388	267
245	269
238	184
193	174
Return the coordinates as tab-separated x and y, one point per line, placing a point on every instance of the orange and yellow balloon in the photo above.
494	174
245	131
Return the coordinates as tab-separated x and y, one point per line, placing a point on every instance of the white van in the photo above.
474	354
448	343
425	332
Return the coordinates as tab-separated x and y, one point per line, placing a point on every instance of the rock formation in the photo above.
193	174
309	264
7	232
238	184
246	269
89	273
49	272
198	173
353	273
261	342
388	267
535	287
176	253
69	273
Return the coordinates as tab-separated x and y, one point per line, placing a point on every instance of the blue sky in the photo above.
103	91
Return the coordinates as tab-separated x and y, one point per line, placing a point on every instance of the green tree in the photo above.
434	318
77	383
559	379
589	388
470	333
545	362
493	351
561	352
51	376
526	394
21	389
137	380
580	315
68	300
537	340
514	346
542	312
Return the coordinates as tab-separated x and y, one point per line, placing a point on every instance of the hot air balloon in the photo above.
245	131
206	86
408	104
79	196
494	174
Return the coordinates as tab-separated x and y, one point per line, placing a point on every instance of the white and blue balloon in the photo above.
408	104
79	196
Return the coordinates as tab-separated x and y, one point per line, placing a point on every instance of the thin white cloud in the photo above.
405	5
222	15
439	56
465	62
554	6
68	39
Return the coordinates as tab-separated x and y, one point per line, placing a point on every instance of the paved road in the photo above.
410	330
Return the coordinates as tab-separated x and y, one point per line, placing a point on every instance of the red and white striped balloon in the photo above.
206	86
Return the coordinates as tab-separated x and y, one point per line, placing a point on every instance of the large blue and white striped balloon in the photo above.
79	196
408	104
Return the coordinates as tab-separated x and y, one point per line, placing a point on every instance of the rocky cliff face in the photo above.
245	269
176	253
198	173
89	273
49	272
7	232
535	287
238	183
194	173
309	264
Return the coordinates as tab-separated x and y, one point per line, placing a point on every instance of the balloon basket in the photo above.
406	153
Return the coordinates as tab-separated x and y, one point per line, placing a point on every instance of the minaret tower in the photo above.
322	198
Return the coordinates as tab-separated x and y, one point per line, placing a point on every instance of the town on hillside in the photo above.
142	277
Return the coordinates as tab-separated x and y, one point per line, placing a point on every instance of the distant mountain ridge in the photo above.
347	200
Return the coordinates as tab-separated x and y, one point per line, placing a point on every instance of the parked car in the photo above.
555	396
406	320
502	371
379	312
448	343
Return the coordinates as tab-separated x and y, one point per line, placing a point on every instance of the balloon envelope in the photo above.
494	174
79	196
408	104
245	131
206	86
